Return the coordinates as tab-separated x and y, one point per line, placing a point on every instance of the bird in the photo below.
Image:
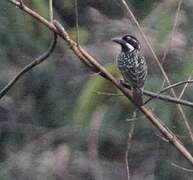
132	65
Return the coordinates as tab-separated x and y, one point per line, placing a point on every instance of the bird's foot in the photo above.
123	83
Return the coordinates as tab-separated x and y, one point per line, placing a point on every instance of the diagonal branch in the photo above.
136	24
148	113
34	63
84	56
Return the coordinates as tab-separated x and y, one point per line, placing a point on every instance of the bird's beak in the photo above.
118	40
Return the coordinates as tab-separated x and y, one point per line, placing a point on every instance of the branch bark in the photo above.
34	63
84	56
169	87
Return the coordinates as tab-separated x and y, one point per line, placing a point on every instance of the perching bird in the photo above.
132	65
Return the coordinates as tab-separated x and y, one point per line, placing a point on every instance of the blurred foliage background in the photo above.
54	123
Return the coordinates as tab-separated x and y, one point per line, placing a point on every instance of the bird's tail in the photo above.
137	96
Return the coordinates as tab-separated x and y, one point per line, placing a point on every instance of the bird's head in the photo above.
128	43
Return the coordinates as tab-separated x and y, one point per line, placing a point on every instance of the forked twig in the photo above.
185	86
169	87
34	63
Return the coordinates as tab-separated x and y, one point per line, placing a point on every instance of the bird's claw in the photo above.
123	83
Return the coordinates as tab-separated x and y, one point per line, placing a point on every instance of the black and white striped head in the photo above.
128	43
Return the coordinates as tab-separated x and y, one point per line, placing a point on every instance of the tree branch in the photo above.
162	97
169	87
84	56
167	98
34	63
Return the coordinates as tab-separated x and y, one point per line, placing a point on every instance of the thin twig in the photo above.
162	138
51	10
176	85
107	93
84	56
34	63
173	31
130	135
168	98
77	20
131	119
169	87
186	85
152	95
182	168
